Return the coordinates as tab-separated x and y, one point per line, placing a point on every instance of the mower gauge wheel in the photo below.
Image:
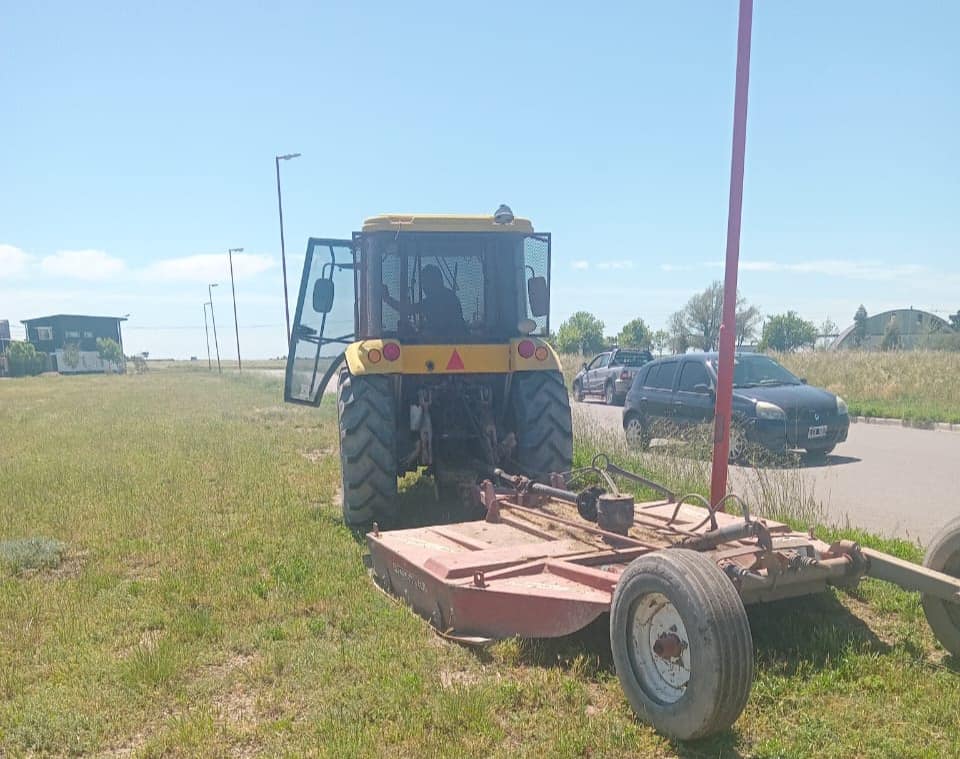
943	555
681	643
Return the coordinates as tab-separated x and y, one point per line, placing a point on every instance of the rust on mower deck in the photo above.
535	568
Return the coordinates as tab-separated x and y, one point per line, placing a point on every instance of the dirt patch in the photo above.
238	660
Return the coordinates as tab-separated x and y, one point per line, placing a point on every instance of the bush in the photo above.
110	352
24	360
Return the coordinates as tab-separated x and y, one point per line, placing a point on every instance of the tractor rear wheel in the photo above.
681	643
541	415
368	450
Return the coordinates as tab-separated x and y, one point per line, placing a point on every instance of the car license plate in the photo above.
818	431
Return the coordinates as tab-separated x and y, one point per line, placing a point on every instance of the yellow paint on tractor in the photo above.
450	359
400	222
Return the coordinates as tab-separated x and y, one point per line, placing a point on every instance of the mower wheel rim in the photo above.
660	648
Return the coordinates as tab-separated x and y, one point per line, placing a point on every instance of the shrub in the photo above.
24	359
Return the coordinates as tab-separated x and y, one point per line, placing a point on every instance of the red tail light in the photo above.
391	351
526	348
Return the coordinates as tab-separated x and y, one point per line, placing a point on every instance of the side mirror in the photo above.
323	295
584	367
538	295
803	380
703	389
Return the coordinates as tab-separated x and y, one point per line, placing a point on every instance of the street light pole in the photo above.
283	252
213	318
233	289
207	330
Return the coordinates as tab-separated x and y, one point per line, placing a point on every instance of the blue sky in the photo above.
138	142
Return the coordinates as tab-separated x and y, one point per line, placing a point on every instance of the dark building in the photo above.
53	334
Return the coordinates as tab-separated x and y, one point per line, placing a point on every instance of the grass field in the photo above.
188	589
919	386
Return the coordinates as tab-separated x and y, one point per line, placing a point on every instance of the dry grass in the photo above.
915	385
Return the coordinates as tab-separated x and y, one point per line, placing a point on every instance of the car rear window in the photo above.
664	378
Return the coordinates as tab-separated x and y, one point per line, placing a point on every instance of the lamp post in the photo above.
283	252
233	289
207	330
213	318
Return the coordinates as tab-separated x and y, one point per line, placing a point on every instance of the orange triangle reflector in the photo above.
455	361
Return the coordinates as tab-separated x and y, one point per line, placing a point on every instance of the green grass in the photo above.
209	602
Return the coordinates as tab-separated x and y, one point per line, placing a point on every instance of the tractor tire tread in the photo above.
367	422
541	413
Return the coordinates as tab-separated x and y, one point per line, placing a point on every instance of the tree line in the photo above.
696	325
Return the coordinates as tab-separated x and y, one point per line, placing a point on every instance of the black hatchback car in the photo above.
771	407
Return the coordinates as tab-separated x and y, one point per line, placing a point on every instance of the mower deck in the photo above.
541	570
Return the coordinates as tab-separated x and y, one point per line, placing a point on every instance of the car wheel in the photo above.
609	396
738	443
577	392
638	436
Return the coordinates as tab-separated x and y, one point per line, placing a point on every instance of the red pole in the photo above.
728	327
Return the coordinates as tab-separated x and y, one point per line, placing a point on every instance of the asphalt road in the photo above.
893	481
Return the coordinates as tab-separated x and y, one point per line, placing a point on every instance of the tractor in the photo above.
441	357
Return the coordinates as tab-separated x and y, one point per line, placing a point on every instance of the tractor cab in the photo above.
417	280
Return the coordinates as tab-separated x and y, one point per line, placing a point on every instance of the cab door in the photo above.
325	320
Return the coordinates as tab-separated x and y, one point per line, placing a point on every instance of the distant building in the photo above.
53	334
915	328
4	335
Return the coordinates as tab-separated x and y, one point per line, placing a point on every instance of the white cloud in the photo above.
82	264
622	264
207	267
865	270
877	271
13	260
580	265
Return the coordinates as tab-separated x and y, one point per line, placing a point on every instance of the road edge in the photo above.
888	422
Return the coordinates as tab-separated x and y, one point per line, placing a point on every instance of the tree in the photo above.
581	333
635	334
748	322
828	331
71	355
109	351
703	314
955	320
660	340
787	332
860	326
679	335
891	336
